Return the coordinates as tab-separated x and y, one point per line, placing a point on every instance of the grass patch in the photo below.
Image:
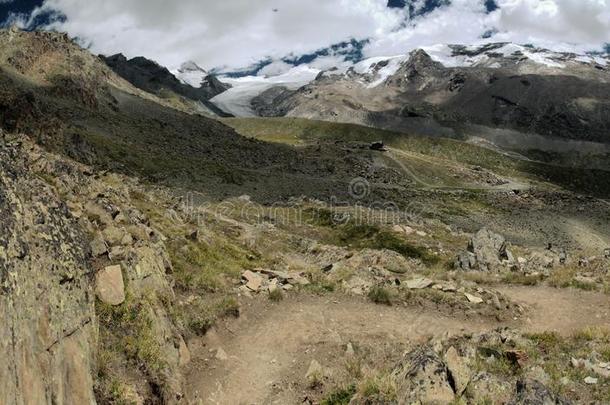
133	324
207	267
319	283
378	389
380	295
562	277
201	314
341	396
522	279
361	236
276	295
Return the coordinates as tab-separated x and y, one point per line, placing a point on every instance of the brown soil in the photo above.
271	345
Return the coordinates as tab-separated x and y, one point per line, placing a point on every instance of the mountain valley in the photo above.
427	228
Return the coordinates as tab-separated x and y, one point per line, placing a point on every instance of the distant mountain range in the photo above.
514	96
449	90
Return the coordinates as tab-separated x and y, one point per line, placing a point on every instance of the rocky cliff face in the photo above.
49	333
75	256
149	76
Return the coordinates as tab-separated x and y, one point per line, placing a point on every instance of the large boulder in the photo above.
424	377
487	251
109	287
533	392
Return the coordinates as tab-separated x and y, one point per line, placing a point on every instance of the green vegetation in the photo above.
361	236
300	130
552	352
378	389
276	295
319	283
341	396
207	266
380	295
127	331
199	315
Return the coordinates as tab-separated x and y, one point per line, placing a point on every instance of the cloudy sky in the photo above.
236	33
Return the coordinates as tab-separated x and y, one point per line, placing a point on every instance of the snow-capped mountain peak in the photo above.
495	55
192	74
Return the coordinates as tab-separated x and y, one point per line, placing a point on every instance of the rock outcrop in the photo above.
66	239
48	335
487	251
149	76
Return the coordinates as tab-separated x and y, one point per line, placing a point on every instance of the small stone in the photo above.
221	355
127	240
473	298
98	246
591	380
349	351
184	354
315	373
418	283
116	253
421	233
109	286
113	235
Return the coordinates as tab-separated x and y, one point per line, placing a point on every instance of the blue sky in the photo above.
238	33
17	6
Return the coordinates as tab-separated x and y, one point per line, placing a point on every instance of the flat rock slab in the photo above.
109	287
419	283
254	281
473	298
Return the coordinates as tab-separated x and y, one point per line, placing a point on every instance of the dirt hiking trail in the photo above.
256	358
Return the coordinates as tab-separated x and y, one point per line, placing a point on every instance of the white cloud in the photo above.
566	21
275	68
236	33
215	33
568	25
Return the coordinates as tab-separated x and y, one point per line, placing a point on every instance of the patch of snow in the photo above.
238	99
543	58
592	59
444	55
190	73
381	74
